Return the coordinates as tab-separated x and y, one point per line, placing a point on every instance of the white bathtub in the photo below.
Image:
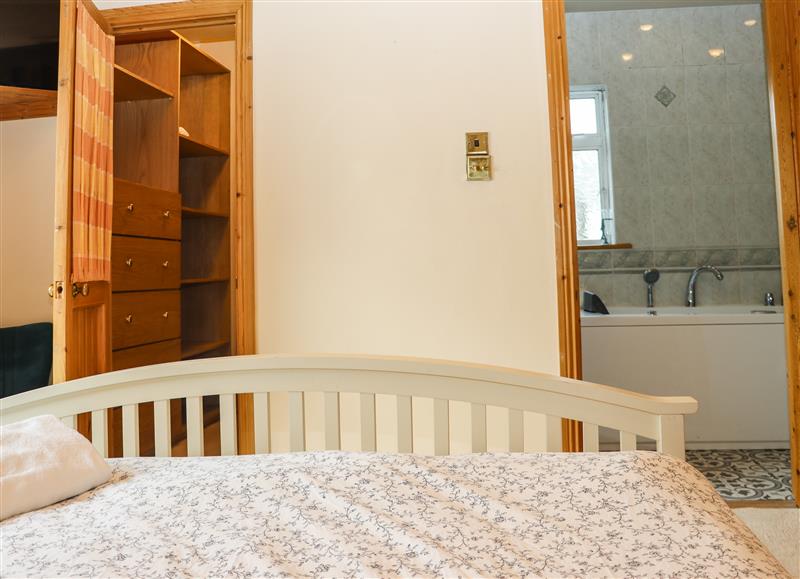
731	358
679	316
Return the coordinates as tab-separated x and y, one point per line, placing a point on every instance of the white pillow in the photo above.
43	461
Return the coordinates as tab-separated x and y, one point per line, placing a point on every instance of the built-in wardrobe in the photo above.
171	251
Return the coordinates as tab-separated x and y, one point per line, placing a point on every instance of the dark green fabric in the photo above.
26	356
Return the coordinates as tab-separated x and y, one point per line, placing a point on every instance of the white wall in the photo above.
27	180
368	237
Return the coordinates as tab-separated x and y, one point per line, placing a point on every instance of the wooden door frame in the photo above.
781	39
782	48
239	14
568	283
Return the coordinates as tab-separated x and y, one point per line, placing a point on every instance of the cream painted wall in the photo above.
27	179
368	237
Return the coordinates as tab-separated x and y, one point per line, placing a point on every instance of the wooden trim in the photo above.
158	17
762	504
161	18
26	103
782	39
605	247
569	332
63	185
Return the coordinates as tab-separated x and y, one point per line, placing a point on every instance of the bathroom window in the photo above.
591	163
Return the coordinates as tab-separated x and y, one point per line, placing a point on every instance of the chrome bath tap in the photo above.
691	292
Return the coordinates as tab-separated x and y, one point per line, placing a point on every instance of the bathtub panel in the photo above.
737	372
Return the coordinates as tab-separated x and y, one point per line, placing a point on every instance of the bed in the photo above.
428	500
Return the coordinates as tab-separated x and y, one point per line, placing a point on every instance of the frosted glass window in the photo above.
588	203
583	116
591	161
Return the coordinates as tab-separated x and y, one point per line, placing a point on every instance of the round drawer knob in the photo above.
129	318
166	263
166	214
165	315
130	208
129	262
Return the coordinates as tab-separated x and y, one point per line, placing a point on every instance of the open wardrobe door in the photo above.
81	288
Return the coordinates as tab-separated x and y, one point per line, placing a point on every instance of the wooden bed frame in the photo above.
361	403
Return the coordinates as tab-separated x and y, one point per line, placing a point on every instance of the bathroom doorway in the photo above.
676	220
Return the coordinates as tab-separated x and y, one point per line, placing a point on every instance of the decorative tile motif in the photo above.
745	474
675	258
632	259
594	260
719	256
665	96
759	256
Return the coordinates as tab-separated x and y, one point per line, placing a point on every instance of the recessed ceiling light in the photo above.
716	52
646	27
627	56
751	22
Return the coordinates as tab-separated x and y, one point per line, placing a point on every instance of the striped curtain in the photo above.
93	158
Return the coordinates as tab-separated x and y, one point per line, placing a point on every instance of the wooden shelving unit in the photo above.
174	191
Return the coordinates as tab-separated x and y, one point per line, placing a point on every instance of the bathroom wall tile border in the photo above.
633	259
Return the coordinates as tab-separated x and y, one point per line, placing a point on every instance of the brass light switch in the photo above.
477	143
479	168
479	162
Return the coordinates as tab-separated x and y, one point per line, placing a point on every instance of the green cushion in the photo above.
26	356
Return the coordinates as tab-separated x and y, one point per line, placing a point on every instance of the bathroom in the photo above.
677	225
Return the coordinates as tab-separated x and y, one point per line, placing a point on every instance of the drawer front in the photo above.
144	317
140	210
158	353
142	264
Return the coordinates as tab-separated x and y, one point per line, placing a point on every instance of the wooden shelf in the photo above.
195	61
26	103
194	212
606	246
129	86
192	148
203	280
192	349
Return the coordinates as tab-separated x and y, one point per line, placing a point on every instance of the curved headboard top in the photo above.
265	364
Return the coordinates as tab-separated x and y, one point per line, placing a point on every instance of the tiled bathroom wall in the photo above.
691	151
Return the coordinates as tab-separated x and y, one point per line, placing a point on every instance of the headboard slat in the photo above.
162	427
130	430
194	426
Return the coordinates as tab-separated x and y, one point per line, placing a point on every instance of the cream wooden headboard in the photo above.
387	404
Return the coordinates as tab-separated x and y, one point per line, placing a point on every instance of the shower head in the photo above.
651	276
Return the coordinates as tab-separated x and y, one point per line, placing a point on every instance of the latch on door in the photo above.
80	288
54	290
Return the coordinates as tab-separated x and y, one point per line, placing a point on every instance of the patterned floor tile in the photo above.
746	474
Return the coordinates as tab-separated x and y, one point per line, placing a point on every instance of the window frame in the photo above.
601	143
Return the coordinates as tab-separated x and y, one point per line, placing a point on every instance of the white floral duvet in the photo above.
344	514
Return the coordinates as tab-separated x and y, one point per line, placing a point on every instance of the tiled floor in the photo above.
746	474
